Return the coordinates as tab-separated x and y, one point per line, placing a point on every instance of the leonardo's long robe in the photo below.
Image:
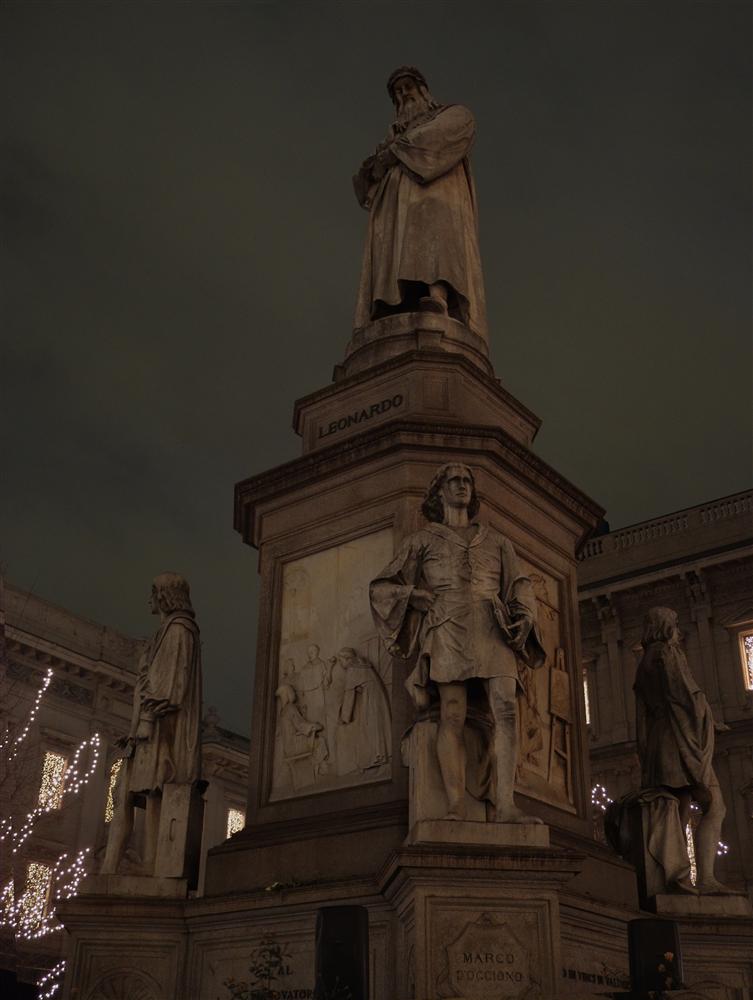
478	587
170	673
423	223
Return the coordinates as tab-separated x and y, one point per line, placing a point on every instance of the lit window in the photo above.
110	804
586	697
32	906
746	654
236	820
53	781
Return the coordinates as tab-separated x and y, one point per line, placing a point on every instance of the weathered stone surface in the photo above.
455	601
334	681
722	905
416	385
163	746
136	886
675	743
441	831
422	242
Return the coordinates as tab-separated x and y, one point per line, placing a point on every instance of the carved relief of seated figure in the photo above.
304	748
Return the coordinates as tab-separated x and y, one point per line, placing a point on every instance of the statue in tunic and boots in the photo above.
456	598
422	243
163	746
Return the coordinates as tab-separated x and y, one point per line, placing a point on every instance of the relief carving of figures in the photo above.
303	747
333	693
333	719
364	733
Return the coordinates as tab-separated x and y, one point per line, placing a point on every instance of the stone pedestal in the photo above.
134	887
325	525
180	826
478	923
678	905
436	832
126	945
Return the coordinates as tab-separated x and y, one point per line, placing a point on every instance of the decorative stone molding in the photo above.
125	984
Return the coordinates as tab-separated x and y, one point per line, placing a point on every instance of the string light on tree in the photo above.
76	776
50	984
16	743
110	803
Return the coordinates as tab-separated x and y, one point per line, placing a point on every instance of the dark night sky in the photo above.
181	249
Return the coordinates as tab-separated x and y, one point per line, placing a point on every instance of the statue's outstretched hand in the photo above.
519	631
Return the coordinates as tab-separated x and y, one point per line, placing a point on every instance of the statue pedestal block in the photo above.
135	886
179	838
677	905
449	831
476	922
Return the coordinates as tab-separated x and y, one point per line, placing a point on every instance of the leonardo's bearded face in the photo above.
408	98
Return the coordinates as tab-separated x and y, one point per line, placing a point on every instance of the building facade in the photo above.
699	562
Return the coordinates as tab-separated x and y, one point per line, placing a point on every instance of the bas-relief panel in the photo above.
334	682
545	707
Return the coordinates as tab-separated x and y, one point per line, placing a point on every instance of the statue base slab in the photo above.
142	886
394	335
682	904
448	831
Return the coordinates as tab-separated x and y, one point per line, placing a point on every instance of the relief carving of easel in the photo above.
560	709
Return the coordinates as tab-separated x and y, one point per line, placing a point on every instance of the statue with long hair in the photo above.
163	745
675	736
422	243
455	598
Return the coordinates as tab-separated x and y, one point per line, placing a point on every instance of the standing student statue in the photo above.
163	745
455	596
422	242
675	736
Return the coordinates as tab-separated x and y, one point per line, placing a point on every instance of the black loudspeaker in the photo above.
342	953
655	955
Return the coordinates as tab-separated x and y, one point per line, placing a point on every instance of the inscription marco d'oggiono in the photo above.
359	416
489	967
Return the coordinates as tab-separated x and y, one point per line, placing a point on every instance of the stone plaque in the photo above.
488	959
333	688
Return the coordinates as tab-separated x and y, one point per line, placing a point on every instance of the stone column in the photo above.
611	636
701	614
